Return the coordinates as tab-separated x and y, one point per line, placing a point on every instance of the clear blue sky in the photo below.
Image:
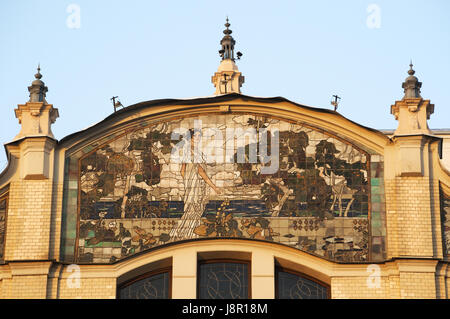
305	51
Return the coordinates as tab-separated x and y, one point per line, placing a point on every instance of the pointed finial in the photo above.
227	42
37	89
227	25
38	75
411	85
411	71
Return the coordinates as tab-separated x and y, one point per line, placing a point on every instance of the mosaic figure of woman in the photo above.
196	190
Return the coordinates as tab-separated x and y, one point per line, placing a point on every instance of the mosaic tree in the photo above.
313	181
344	178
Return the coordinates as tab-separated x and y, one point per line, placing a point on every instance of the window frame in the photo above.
279	269
145	276
225	260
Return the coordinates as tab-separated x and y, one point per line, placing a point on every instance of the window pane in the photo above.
223	280
291	286
153	287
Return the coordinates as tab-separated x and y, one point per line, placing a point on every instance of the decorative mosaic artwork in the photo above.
151	186
3	208
445	219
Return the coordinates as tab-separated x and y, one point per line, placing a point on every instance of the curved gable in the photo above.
277	106
317	186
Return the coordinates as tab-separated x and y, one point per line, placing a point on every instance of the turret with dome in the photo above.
228	79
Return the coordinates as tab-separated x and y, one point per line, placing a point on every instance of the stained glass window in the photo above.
223	280
154	286
293	286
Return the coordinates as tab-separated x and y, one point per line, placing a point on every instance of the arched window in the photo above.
293	285
153	285
223	279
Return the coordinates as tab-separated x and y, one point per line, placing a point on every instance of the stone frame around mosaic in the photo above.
377	230
71	198
445	219
4	197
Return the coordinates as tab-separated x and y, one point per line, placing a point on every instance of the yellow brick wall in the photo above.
5	288
28	221
441	292
437	234
28	287
357	288
417	285
90	288
394	287
407	285
56	216
409	218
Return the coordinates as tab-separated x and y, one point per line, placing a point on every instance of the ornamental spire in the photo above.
412	112
227	79
411	85
227	42
36	116
37	89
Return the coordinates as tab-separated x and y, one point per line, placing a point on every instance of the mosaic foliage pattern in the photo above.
131	197
445	219
3	209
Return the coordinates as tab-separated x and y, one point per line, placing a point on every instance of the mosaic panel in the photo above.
3	212
445	220
378	209
125	194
